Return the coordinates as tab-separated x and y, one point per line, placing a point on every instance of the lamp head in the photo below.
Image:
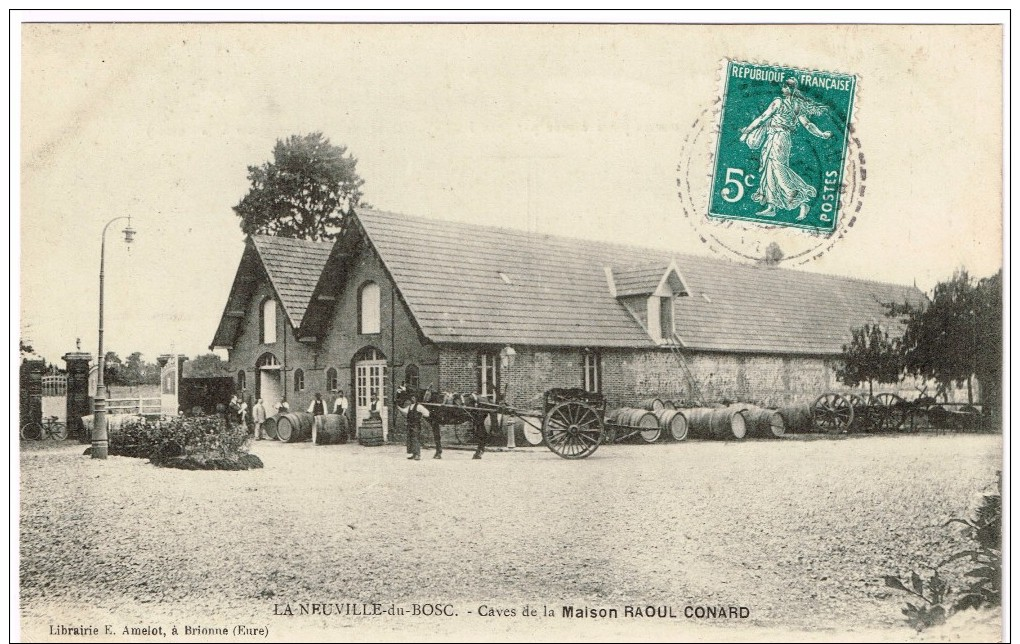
129	233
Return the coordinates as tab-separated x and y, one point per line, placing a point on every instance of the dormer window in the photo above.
666	318
660	318
648	292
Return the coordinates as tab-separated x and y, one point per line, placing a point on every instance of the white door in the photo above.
369	377
270	389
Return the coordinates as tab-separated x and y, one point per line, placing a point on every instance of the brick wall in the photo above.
398	340
534	371
631	375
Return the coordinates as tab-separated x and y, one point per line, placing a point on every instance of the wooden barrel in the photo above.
797	418
269	427
639	418
668	404
720	423
673	423
371	433
650	404
699	422
294	427
730	423
764	423
530	431
334	430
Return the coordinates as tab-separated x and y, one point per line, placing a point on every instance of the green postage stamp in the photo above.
782	145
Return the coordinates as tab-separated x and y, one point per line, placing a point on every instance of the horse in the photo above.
449	409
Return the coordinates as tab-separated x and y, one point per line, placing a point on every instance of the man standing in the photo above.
232	411
318	410
340	406
415	413
259	415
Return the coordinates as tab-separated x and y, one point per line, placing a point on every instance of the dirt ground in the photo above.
799	531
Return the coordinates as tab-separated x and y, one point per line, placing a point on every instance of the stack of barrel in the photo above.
655	418
735	422
296	427
797	418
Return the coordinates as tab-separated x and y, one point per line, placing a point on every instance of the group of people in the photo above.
253	415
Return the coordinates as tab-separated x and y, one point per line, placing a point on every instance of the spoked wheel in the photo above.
58	431
890	412
862	418
31	431
832	413
573	430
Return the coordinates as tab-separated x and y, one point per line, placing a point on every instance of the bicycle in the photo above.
49	428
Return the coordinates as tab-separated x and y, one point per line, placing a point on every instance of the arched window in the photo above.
299	380
411	377
268	320
368	308
331	380
241	382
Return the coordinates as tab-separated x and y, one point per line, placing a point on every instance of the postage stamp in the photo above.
782	145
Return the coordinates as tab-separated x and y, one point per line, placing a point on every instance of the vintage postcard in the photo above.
563	332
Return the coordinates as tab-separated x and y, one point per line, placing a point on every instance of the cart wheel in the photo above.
862	416
832	413
573	430
890	412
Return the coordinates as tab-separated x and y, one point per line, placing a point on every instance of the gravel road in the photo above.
798	530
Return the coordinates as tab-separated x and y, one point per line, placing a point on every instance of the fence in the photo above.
143	406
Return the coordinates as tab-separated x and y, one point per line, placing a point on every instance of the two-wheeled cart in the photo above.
572	420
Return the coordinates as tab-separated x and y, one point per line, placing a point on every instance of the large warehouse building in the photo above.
464	308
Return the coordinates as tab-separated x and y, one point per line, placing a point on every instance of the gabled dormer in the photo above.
648	292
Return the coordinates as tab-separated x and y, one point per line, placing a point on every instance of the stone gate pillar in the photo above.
78	403
31	373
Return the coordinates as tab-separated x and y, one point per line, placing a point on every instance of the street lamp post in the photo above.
100	437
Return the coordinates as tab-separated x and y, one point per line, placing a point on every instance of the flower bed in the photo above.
191	443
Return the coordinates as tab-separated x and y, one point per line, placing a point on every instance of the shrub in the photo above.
983	585
202	442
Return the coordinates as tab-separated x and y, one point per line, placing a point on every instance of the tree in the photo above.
957	334
206	366
304	192
870	357
111	373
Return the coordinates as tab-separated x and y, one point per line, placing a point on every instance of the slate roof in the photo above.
480	284
638	280
294	267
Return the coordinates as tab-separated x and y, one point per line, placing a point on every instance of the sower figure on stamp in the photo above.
779	186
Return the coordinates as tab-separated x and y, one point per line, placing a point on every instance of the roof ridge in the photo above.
626	246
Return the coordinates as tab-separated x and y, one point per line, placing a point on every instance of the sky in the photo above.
566	129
